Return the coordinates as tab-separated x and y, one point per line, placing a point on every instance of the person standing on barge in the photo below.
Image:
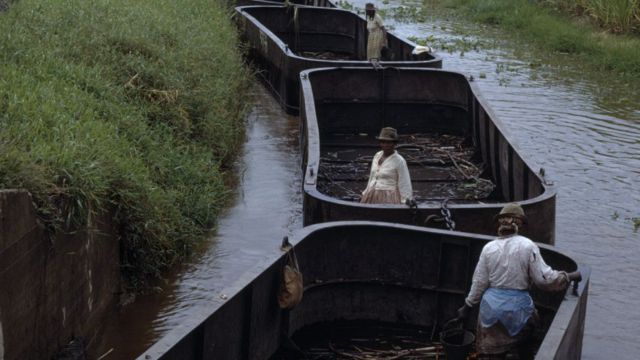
377	38
389	180
506	268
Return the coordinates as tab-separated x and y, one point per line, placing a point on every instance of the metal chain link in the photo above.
413	206
446	214
376	64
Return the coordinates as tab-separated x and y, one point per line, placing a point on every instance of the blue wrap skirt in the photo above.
512	308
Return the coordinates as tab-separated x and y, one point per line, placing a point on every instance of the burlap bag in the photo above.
291	285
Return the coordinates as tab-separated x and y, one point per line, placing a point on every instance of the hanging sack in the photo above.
291	286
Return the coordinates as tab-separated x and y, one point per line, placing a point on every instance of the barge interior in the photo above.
463	165
282	41
359	272
441	166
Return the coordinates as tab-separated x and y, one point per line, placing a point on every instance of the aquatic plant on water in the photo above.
344	4
542	25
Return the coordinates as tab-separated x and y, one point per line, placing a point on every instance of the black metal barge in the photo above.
456	148
365	271
284	40
317	3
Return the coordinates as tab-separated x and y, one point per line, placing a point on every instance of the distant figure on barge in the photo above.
389	180
377	38
506	268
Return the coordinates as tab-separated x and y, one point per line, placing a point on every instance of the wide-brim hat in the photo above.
513	210
388	134
369	6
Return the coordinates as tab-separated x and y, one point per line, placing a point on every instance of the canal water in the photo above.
266	205
582	128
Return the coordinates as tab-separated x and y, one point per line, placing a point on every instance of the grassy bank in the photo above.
617	16
130	106
551	30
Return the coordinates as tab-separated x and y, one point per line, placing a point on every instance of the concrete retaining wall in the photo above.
51	290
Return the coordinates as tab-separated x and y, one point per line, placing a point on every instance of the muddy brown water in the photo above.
582	128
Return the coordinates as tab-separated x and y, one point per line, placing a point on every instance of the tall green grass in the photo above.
551	31
618	16
127	107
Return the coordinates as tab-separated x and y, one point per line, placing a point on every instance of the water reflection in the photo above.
584	130
267	205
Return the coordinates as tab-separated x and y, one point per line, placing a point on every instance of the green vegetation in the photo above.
635	221
405	14
344	4
552	31
450	45
128	107
618	16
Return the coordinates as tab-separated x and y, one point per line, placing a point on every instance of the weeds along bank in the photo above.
131	106
619	16
566	26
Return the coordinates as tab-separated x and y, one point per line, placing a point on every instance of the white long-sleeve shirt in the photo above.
513	263
392	174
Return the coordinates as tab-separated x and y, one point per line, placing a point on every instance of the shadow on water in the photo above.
584	129
267	205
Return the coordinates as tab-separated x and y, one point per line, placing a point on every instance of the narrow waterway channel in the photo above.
582	128
266	205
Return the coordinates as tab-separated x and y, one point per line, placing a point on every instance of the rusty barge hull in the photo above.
280	39
344	108
365	271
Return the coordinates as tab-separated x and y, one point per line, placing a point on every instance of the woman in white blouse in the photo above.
377	38
389	181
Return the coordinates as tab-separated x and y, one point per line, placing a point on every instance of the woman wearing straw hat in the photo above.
377	33
508	267
389	181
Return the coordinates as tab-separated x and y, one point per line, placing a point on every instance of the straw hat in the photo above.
388	134
514	210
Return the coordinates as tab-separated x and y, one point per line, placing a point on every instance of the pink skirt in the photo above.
373	196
